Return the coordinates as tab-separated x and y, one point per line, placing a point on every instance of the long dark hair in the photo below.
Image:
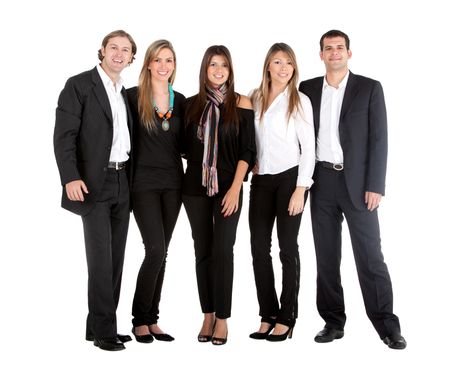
196	106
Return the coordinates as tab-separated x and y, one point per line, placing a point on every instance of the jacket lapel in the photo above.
101	94
350	92
316	102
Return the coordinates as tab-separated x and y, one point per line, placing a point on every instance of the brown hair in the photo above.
335	34
145	91
261	95
195	108
113	35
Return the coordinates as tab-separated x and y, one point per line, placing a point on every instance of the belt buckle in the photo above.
116	166
338	166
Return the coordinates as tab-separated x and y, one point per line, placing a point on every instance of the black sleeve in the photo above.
247	143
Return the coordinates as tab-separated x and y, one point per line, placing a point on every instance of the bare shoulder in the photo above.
244	102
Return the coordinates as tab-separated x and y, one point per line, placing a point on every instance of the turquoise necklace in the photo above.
165	117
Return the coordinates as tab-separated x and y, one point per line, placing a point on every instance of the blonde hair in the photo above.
145	91
260	97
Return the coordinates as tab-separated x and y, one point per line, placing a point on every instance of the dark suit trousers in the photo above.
330	202
269	199
156	212
214	237
105	235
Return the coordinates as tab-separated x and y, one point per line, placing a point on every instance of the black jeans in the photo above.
214	237
269	199
156	213
105	235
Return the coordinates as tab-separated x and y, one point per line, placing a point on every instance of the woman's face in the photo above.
162	66
218	71
280	68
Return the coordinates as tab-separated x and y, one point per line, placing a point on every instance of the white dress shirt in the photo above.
277	140
121	145
328	141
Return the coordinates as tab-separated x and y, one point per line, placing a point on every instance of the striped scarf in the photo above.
207	133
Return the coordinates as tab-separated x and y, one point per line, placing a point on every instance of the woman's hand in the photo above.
230	201
297	201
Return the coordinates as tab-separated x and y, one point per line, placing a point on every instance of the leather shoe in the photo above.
109	344
328	335
144	338
395	341
121	337
163	337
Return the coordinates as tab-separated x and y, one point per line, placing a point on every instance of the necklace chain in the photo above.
166	116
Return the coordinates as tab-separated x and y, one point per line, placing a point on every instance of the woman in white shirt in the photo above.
283	174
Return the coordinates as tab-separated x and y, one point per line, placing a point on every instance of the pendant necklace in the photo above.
165	117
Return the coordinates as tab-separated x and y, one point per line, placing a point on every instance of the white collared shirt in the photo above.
121	145
277	140
328	142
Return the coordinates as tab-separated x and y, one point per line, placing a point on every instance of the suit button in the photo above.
109	148
105	169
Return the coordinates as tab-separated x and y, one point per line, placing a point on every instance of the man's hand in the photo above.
372	200
75	190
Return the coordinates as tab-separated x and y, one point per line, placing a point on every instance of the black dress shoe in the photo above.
122	338
163	337
395	341
145	338
328	335
109	344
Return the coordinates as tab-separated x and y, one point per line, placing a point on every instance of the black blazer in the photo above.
83	136
362	132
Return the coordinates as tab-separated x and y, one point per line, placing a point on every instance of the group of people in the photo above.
121	150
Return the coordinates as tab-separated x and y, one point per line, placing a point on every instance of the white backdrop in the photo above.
42	267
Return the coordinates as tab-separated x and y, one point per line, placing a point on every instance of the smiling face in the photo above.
335	54
218	71
162	66
117	54
280	69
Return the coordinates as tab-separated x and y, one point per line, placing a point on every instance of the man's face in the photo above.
116	55
335	54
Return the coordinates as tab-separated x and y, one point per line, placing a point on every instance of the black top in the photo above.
157	154
232	148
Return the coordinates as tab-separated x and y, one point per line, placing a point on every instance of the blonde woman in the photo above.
156	189
286	157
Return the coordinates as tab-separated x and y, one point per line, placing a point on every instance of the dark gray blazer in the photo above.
362	132
83	136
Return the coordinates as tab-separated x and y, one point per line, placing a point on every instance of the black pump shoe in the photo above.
280	337
263	335
163	337
146	338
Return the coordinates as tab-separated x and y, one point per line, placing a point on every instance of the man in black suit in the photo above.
349	180
92	143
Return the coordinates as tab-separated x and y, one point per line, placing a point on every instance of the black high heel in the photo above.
263	335
146	338
162	336
282	337
202	338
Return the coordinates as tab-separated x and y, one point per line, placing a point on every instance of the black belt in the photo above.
332	166
117	165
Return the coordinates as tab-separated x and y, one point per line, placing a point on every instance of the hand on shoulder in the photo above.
244	102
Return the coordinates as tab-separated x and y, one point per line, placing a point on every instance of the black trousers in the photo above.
214	237
156	213
269	200
105	235
330	202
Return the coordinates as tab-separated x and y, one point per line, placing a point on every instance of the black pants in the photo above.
214	237
105	235
330	202
269	199
156	212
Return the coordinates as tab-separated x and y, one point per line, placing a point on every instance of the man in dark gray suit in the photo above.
92	142
349	180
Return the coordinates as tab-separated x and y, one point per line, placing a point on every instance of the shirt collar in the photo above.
342	84
107	82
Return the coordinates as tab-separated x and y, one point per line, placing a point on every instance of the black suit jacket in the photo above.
362	132
83	136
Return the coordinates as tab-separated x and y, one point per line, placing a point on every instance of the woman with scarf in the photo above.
220	144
